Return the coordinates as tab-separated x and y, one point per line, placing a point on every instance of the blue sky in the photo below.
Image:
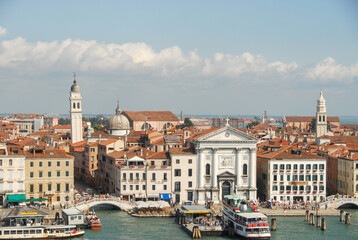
202	57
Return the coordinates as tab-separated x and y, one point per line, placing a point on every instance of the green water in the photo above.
119	225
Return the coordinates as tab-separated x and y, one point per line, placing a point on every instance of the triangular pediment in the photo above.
227	134
226	174
135	158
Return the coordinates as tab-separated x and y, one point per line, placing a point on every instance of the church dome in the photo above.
118	121
75	87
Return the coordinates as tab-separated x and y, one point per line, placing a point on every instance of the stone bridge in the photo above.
337	202
85	205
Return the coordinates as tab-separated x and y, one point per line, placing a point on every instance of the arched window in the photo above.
78	105
207	169
146	126
324	118
74	105
244	169
319	118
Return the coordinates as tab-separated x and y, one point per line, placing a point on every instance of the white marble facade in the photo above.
226	165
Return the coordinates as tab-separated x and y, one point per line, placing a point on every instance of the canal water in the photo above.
119	225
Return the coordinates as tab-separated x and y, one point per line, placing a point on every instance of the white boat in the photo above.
243	220
40	232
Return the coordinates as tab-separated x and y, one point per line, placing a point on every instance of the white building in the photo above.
321	117
76	113
119	124
290	174
226	164
12	175
183	171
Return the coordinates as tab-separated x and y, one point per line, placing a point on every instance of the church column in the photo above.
199	167
237	166
252	167
214	166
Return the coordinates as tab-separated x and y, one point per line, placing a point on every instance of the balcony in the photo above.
321	170
308	170
314	192
152	166
281	192
281	171
314	170
288	170
295	192
301	191
282	183
274	182
295	171
308	191
275	171
301	171
321	183
314	182
288	192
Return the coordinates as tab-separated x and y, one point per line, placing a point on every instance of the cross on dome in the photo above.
227	121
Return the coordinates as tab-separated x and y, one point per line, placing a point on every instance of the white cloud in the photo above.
35	59
3	31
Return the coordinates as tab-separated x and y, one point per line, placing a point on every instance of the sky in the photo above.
226	57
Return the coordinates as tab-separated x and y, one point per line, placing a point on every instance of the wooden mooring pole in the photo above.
311	219
307	215
323	223
342	213
273	224
318	221
348	218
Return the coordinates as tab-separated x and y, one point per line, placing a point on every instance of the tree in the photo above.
99	128
312	125
252	124
188	123
63	121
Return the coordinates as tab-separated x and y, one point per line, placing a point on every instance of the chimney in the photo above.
125	156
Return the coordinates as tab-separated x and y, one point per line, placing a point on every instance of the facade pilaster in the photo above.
252	167
214	181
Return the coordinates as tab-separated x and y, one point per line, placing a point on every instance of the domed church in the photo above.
119	124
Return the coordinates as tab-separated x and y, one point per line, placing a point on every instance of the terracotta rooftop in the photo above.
109	141
158	155
131	152
151	116
288	152
182	151
49	153
97	133
62	127
308	119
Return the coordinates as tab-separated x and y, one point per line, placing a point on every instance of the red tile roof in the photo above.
158	155
151	116
109	141
287	152
308	119
182	151
49	153
131	152
62	127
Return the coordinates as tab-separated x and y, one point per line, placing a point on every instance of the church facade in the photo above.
226	164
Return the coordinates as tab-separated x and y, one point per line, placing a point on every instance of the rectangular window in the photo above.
177	161
288	177
281	178
308	166
165	187
137	177
67	173
40	188
137	187
282	166
321	177
302	166
31	174
58	173
314	177
49	174
275	178
321	166
124	187
190	172
131	187
49	164
58	198
0	162
274	188
10	162
308	177
288	166
302	178
153	176
177	186
190	196
131	176
314	166
144	176
124	176
67	187
295	166
67	163
58	163
31	188
275	167
165	176
190	161
143	187
294	178
58	187
40	164
177	172
31	164
153	187
40	174
49	187
190	184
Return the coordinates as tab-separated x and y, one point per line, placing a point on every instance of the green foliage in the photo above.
187	123
312	125
99	128
252	124
63	121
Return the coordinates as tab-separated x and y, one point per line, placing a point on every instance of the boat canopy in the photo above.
165	196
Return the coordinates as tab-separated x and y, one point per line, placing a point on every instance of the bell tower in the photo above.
321	117
76	112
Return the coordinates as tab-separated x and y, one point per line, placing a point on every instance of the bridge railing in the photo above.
104	200
339	200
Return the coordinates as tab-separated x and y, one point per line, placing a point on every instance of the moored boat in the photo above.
93	221
243	220
40	232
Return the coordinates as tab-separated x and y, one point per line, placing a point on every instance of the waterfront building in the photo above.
347	182
106	167
151	120
290	174
226	164
12	174
49	174
183	171
27	123
76	112
303	122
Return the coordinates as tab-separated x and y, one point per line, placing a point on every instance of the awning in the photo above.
16	198
165	196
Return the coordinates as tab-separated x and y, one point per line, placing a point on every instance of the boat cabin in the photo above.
73	216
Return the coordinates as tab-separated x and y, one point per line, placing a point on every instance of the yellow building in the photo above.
49	174
347	172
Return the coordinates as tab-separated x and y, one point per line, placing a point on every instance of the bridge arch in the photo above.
348	205
116	202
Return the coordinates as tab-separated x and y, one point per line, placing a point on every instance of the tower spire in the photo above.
118	110
74	78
